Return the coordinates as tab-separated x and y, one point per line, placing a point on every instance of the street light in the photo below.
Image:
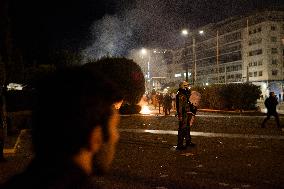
217	54
185	33
145	52
201	32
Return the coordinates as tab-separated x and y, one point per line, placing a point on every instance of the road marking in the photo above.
203	115
14	148
205	134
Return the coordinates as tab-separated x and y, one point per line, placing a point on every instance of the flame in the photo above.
145	110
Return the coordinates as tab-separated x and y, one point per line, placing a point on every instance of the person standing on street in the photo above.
173	96
183	107
270	103
167	104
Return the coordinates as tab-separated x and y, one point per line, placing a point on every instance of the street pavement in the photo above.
232	151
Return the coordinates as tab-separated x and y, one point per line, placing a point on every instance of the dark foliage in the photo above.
233	96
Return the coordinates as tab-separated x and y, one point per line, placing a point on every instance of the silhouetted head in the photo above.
272	94
184	85
70	103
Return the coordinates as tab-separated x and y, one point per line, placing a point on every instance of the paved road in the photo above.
236	154
232	152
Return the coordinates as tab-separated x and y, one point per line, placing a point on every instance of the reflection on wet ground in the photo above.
204	134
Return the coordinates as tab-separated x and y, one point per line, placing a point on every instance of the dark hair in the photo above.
70	103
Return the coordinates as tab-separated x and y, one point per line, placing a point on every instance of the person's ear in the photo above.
96	139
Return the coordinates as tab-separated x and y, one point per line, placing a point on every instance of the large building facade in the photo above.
238	49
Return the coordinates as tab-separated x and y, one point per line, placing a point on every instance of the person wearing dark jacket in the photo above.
270	103
167	104
184	114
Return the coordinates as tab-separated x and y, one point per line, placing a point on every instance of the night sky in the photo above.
100	27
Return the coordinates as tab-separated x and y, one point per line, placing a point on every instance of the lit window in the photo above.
178	75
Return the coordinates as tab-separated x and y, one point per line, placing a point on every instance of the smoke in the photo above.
147	23
156	23
110	36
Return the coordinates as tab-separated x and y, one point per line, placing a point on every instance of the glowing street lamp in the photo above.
145	52
185	33
217	53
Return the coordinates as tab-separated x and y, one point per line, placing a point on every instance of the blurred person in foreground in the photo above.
74	130
270	103
185	113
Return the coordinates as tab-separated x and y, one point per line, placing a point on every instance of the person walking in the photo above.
183	108
271	103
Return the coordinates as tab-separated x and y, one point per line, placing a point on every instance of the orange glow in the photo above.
145	110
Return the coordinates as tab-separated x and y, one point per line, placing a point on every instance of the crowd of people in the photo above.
165	102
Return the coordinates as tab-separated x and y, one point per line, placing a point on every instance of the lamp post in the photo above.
217	54
185	33
145	52
194	59
201	32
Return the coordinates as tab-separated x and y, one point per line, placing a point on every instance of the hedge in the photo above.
233	96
